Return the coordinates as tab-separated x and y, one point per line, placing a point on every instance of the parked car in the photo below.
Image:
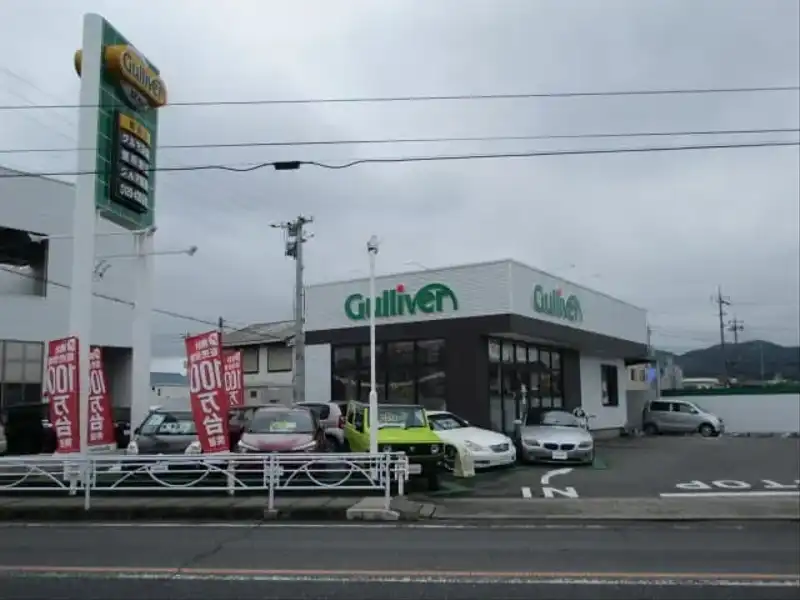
488	448
561	437
679	416
401	428
332	419
164	432
281	429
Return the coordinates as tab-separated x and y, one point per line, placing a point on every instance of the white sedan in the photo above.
488	448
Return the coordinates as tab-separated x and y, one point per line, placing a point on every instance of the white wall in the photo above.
45	207
762	413
499	287
318	372
601	313
607	417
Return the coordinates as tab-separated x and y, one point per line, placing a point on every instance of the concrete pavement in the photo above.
745	560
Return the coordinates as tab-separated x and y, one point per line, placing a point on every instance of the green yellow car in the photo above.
401	428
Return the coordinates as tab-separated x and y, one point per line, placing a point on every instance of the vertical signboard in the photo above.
207	393
62	390
234	375
101	423
131	91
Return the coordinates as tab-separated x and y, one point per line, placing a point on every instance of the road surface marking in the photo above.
411	576
526	493
750	493
554	473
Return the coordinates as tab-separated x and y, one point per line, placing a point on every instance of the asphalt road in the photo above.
652	466
362	561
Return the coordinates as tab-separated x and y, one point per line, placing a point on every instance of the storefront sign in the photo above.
63	392
207	394
555	304
396	302
101	423
234	375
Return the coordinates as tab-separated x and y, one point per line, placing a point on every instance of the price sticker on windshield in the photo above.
282	426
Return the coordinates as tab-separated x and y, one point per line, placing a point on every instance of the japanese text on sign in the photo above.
207	391
62	391
234	386
101	426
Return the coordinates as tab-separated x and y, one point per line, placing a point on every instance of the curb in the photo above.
616	518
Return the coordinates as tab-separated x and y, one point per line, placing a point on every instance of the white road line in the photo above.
554	473
752	493
526	492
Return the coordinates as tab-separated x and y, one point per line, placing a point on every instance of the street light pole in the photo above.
372	250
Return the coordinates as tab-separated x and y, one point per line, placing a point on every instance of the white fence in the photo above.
746	413
268	474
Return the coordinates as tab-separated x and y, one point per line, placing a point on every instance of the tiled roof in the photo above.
260	333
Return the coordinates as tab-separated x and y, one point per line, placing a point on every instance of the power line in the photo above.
425	140
441	98
296	164
115	299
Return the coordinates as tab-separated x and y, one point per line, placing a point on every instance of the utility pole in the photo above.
295	238
721	302
735	326
220	329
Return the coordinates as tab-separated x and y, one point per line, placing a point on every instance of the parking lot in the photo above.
689	466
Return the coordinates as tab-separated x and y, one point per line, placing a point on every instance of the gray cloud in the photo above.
661	230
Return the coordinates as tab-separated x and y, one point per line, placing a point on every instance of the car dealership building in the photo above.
491	342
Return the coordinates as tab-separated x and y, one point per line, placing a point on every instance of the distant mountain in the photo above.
745	361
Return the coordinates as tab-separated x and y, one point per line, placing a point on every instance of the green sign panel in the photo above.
397	302
131	91
555	304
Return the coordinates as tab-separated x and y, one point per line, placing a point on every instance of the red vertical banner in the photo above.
234	384
63	393
101	423
207	391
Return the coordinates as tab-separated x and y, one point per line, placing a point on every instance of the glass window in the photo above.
15	351
544	359
494	351
399	354
495	398
430	352
522	353
400	385
533	355
555	360
431	387
282	421
32	372
364	387
364	356
250	359
177	423
279	359
508	352
344	387
14	371
34	351
510	388
401	416
13	394
33	393
610	392
446	421
344	359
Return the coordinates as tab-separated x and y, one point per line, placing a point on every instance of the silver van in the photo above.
679	416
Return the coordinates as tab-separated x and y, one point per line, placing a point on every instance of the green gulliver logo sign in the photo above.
397	302
555	304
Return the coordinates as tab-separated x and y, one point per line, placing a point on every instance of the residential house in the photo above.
267	360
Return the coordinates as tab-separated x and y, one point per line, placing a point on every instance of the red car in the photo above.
281	429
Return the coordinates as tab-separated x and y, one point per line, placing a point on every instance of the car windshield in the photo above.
282	421
164	423
446	421
401	416
560	419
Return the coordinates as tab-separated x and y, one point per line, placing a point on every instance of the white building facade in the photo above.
493	342
35	274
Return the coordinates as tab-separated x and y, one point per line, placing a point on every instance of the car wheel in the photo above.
650	429
707	430
449	461
590	460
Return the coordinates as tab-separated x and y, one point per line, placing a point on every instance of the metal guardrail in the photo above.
230	474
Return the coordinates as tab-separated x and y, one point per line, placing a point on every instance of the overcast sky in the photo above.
661	230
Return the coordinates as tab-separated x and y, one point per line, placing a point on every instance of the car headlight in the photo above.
435	449
242	447
386	448
133	448
585	445
194	448
474	447
531	441
307	447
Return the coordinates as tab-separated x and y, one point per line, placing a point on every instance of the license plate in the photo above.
559	455
414	469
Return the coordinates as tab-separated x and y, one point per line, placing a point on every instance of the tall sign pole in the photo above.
121	92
